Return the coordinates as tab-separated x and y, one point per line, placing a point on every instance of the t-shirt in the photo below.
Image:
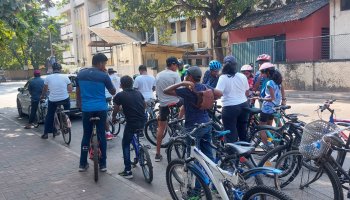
268	107
209	79
116	83
144	84
133	105
233	89
193	115
165	79
263	82
35	88
92	83
57	84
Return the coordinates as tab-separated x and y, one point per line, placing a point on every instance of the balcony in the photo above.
67	54
99	19
66	32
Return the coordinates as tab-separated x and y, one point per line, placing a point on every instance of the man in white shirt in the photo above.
116	83
145	83
58	86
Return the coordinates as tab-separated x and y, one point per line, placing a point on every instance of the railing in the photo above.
100	17
66	32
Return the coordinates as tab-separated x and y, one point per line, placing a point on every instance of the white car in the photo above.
23	100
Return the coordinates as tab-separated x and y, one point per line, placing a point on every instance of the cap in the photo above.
172	60
37	72
110	70
194	71
230	59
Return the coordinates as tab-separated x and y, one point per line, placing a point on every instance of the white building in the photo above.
340	29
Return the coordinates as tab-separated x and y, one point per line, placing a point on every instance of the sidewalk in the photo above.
317	95
32	168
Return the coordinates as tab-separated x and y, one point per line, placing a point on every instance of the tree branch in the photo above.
192	7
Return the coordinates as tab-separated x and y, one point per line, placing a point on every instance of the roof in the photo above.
288	13
110	37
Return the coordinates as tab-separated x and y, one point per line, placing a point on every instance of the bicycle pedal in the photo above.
148	146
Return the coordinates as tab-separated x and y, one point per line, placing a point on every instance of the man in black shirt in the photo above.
134	106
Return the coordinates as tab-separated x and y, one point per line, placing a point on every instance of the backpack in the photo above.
205	99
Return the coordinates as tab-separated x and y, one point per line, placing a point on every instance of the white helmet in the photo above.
266	65
247	68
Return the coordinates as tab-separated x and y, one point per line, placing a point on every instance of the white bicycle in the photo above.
193	177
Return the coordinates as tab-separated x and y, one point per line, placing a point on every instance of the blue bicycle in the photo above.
139	154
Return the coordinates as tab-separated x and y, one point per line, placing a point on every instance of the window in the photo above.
189	61
193	24
325	44
199	62
183	26
151	35
204	22
173	27
345	5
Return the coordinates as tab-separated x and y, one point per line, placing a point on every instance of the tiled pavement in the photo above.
32	168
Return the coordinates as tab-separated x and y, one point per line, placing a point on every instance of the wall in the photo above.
317	76
21	74
339	24
296	50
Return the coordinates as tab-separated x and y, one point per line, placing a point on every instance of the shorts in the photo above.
264	117
164	111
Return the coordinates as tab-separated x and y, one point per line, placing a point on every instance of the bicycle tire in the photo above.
95	157
264	190
257	141
177	146
327	170
67	135
133	156
171	169
116	128
146	164
151	133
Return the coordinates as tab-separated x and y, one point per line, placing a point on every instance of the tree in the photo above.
142	15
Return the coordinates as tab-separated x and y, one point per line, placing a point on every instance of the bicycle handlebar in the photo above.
326	105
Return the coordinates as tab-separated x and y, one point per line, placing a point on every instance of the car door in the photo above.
24	98
72	95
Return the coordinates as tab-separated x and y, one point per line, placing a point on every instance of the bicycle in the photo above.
95	153
194	179
62	124
142	157
41	112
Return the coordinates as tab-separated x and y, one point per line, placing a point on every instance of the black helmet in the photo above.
56	67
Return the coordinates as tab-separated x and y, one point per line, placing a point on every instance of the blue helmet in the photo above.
214	65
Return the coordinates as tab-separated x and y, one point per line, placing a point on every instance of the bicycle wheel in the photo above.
151	133
95	157
264	192
146	164
67	135
185	183
176	150
260	148
133	155
116	128
303	183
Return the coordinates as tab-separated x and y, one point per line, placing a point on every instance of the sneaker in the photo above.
29	126
44	136
109	136
126	174
103	169
158	158
56	133
268	146
83	168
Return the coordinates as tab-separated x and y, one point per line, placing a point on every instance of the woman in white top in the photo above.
234	87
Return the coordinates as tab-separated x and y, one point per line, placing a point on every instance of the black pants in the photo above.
235	119
34	107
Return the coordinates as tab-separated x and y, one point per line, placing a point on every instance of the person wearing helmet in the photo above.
181	70
272	98
211	76
247	70
260	81
59	86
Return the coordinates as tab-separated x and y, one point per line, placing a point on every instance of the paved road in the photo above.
115	164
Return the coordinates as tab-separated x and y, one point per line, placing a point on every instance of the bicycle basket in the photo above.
312	146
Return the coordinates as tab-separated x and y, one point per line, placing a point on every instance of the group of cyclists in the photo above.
179	83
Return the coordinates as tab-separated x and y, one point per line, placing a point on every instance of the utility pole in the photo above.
50	43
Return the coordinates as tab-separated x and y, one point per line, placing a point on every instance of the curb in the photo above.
130	184
314	96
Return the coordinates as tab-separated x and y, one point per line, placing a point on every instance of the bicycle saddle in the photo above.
252	110
240	148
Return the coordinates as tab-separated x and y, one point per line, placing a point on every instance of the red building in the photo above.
299	32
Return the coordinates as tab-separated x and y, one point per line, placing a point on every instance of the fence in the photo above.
282	50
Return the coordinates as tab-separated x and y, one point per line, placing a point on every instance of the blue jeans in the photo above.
129	131
203	140
52	106
100	129
235	119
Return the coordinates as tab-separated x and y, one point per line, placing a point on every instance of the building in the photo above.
340	29
295	32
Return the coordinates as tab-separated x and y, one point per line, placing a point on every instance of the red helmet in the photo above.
264	57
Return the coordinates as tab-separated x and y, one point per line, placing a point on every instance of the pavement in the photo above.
33	168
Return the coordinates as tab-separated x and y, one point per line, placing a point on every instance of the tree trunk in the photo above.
217	41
